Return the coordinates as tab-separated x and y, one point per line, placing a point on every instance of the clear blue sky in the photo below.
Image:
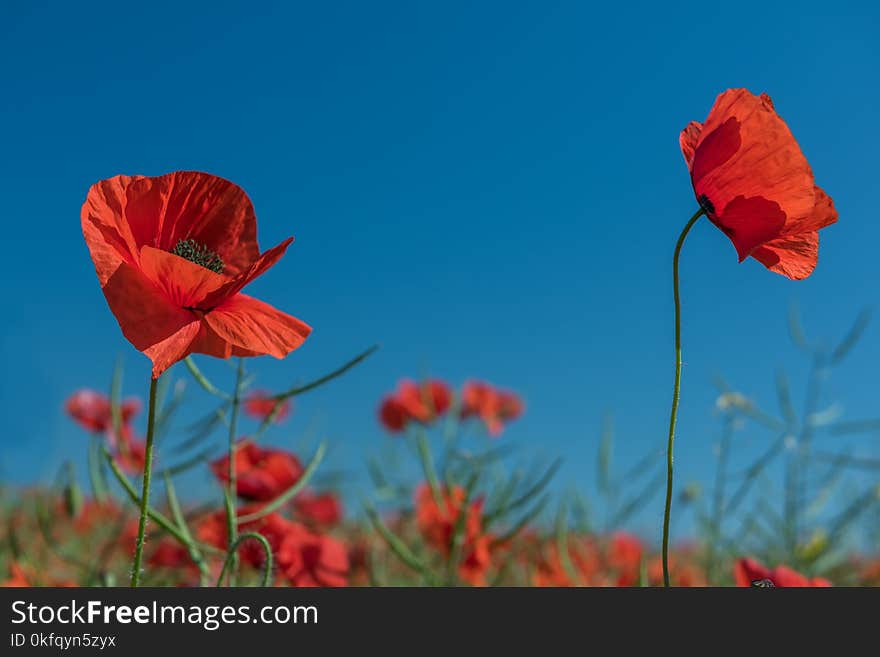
486	189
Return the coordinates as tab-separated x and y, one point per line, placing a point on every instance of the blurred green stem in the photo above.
676	388
145	490
231	516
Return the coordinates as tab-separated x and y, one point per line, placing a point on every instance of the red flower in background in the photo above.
747	571
437	524
172	254
624	556
130	454
259	404
309	559
323	509
493	406
273	527
755	184
262	474
92	410
414	402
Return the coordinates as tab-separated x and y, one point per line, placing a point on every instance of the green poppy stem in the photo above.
145	491
676	389
232	490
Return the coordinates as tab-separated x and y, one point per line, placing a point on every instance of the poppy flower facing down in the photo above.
322	509
414	402
748	571
308	559
493	406
260	404
754	183
92	411
172	254
261	474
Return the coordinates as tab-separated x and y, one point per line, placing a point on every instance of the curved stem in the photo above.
145	490
267	550
676	388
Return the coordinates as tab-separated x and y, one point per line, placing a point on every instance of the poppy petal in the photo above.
258	268
823	214
249	324
746	149
750	222
107	233
793	256
213	212
688	141
148	319
185	283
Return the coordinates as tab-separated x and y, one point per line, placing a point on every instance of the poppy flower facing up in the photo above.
754	183
493	406
414	402
747	572
260	404
261	474
172	254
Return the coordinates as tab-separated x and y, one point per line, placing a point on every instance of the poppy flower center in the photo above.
199	254
706	204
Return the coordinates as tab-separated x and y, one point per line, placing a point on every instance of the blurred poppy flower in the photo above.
261	474
747	571
130	454
437	523
323	509
260	404
624	556
493	406
21	578
414	402
309	559
755	184
585	562
213	530
92	411
172	254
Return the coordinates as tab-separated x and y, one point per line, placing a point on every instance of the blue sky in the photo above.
485	189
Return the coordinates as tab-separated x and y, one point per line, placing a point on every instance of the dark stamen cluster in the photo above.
199	254
706	204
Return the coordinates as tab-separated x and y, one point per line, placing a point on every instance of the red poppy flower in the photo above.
130	454
755	184
260	404
414	402
493	406
476	561
747	571
624	556
437	523
309	559
261	474
273	527
92	410
322	509
585	559
172	254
